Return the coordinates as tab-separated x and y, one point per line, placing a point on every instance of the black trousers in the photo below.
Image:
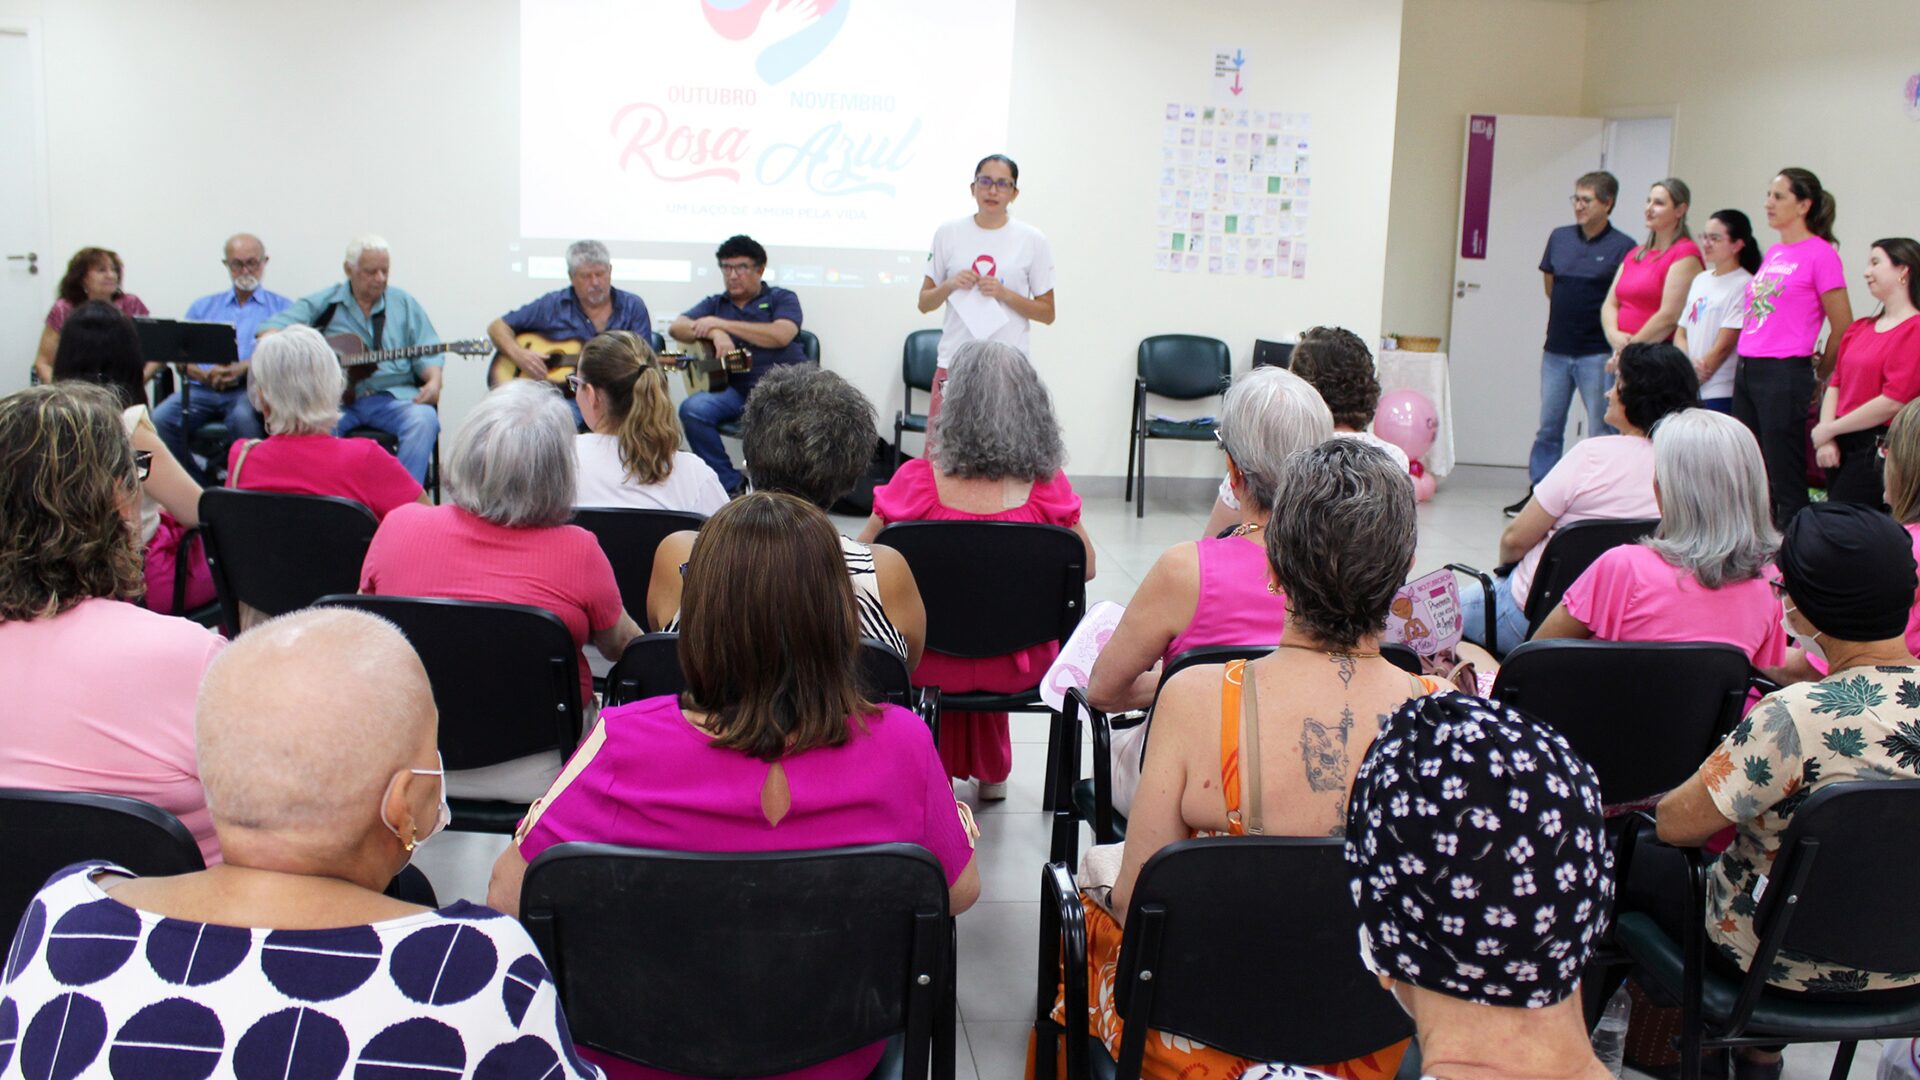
1859	477
1771	396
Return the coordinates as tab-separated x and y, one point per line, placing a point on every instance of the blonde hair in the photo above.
621	366
1903	464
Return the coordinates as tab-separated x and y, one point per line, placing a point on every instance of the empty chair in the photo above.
919	359
278	553
1184	367
44	831
629	539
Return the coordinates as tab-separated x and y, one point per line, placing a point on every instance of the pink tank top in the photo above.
1235	607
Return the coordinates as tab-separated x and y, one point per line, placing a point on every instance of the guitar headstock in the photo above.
471	347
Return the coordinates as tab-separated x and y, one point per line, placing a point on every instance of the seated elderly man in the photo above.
316	743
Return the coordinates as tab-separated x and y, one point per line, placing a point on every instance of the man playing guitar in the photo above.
570	316
400	395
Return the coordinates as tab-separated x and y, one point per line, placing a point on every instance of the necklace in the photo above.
1347	654
1247	528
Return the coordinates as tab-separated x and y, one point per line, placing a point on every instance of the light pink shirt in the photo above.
1784	311
1607	476
1632	594
100	699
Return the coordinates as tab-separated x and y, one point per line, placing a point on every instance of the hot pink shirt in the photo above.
447	552
1784	311
1873	364
1235	607
646	777
1642	285
100	699
61	310
1607	476
1913	617
357	469
1632	594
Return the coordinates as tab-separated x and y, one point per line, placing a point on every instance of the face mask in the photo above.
247	282
1808	643
446	812
1373	966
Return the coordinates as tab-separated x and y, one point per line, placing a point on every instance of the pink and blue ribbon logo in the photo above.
813	24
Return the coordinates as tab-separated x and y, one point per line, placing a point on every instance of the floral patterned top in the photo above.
1859	724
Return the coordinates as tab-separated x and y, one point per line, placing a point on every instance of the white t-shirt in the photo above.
1398	455
1016	253
1714	303
602	481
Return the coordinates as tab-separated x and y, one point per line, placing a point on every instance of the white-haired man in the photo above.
588	305
399	396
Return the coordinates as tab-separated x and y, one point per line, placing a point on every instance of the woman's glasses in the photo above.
993	183
142	464
573	383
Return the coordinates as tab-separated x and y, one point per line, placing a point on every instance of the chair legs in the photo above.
1133	439
1843	1061
1140	504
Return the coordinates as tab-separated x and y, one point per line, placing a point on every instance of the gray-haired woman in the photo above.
295	386
997	457
1698	577
505	538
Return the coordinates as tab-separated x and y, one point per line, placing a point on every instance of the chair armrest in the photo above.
1102	727
929	710
1063	949
1757	681
1063	755
1486	591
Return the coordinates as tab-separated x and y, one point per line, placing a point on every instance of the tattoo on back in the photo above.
1323	750
1347	665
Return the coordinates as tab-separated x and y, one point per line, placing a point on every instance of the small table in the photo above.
1426	372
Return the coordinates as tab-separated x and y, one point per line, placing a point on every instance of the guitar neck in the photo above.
379	356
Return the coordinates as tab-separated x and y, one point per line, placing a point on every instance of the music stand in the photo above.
181	342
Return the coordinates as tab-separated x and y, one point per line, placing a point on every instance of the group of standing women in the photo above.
1751	323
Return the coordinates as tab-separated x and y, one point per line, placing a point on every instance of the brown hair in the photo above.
1336	362
621	365
73	285
1905	254
65	466
1903	463
769	638
1805	185
1602	184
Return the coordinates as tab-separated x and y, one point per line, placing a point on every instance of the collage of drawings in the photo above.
1234	191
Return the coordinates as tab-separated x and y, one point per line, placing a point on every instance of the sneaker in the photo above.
992	792
1513	509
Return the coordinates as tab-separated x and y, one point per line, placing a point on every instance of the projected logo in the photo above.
796	31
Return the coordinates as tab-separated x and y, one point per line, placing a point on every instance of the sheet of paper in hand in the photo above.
1075	663
1426	615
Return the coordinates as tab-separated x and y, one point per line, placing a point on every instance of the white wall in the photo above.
171	126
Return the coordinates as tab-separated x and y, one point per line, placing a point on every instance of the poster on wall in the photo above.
1236	191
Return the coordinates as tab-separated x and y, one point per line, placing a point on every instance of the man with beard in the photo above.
589	305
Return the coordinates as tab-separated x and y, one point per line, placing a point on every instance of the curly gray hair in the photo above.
585	253
1268	416
1342	539
996	418
807	432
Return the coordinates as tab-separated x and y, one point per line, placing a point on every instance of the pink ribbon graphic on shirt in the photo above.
984	265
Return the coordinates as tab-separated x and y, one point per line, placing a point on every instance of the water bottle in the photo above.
1610	1036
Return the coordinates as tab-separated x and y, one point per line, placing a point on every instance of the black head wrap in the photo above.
1849	570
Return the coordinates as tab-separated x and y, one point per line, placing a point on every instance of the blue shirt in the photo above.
1582	272
245	316
558	316
773	303
407	324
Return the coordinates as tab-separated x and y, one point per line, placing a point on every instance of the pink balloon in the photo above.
1423	487
1406	419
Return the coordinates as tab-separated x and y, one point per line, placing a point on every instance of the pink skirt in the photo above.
977	745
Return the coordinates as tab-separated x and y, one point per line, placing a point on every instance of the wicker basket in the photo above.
1416	343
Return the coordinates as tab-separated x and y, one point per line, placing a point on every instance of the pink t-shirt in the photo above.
646	777
1913	616
61	310
1607	476
1234	607
357	469
100	699
1632	594
1784	312
1873	363
1643	284
444	551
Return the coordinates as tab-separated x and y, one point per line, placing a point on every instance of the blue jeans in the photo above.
204	406
1509	622
416	426
701	415
1560	375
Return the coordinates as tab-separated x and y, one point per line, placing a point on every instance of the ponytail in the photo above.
1740	227
1820	215
620	365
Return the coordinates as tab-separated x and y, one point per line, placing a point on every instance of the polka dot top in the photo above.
95	988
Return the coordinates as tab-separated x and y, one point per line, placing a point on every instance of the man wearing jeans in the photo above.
763	318
1579	264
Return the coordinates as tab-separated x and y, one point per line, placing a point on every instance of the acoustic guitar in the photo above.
704	370
358	361
561	356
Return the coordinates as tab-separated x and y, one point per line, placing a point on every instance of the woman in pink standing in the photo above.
1650	288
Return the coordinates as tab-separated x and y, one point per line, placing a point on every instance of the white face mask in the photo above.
441	821
1808	643
1373	966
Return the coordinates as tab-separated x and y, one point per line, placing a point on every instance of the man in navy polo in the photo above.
763	318
587	306
1579	264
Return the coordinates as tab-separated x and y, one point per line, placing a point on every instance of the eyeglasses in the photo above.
244	264
994	183
1779	588
1880	445
1219	438
1582	200
142	464
573	383
736	268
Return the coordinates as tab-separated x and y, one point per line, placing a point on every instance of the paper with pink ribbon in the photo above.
1075	663
1425	615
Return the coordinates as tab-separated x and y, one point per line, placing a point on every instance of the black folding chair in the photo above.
278	553
1090	800
44	831
1035	579
1246	944
810	346
754	963
919	362
1837	892
1570	550
1184	367
506	680
629	538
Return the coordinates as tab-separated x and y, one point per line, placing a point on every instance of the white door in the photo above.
1514	191
28	272
1639	154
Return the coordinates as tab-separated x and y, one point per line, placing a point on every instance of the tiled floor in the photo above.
998	937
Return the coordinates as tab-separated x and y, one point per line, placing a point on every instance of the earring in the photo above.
1272	588
413	838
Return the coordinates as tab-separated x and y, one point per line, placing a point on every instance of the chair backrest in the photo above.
44	831
650	667
1253	946
1849	901
506	677
1569	552
1185	366
752	963
919	360
1272	354
1643	714
993	587
1402	656
810	345
278	553
629	538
